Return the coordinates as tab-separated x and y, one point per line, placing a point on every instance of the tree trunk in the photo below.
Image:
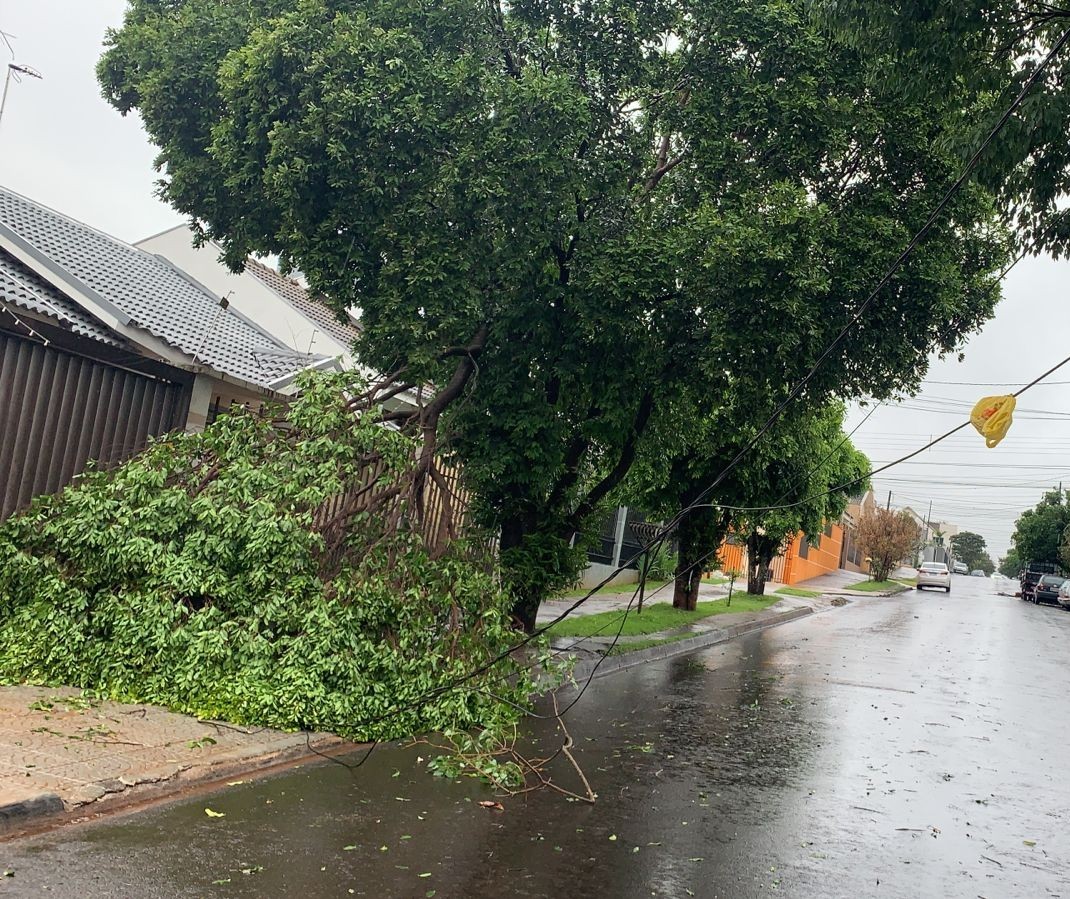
688	564
526	610
760	551
698	538
526	596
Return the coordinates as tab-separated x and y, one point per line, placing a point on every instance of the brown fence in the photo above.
444	513
58	410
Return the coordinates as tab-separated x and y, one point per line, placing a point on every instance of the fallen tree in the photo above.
285	574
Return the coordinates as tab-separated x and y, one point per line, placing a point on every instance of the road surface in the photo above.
913	746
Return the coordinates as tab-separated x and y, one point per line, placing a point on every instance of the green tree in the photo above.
812	474
805	456
970	548
568	216
214	574
1010	565
984	563
1038	532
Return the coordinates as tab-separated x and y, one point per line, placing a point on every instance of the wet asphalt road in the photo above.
907	747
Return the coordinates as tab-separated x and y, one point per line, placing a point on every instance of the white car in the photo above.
934	574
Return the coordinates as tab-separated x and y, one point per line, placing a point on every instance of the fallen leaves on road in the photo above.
212	814
497	806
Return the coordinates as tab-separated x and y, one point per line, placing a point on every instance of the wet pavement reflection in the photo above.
902	747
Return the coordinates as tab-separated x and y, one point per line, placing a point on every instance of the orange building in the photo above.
805	557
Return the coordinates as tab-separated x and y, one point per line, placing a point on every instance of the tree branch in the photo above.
627	456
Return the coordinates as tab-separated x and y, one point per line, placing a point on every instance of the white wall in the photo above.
246	294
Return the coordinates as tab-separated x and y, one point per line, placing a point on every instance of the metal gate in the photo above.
58	410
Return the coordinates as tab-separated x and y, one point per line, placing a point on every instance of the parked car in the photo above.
1047	588
977	573
1032	573
1064	594
934	574
961	568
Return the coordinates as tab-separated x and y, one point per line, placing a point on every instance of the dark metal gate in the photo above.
58	410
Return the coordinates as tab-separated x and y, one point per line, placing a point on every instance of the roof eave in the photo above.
285	384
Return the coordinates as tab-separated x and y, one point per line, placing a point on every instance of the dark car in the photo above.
1031	575
1047	588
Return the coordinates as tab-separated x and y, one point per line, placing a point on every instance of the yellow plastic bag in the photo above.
992	418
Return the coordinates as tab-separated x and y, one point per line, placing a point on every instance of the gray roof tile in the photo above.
311	306
23	288
155	296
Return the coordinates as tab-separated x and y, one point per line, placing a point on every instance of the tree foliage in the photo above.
205	575
970	548
1010	565
986	49
984	563
886	537
571	217
1038	532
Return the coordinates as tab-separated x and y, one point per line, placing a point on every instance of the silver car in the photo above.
934	574
1064	594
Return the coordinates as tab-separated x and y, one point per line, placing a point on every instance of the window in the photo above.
804	547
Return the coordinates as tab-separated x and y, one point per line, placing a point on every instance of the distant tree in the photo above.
969	548
886	537
1039	532
1010	565
984	563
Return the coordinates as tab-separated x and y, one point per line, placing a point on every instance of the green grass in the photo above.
907	581
797	591
876	586
658	617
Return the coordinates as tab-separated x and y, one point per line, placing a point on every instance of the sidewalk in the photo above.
609	602
60	752
836	583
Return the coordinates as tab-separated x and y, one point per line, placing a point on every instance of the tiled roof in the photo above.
22	287
154	295
312	307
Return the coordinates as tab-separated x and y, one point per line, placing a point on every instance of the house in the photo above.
279	304
104	345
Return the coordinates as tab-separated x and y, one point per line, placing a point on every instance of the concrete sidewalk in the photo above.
609	602
60	752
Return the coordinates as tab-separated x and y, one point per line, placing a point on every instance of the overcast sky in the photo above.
62	145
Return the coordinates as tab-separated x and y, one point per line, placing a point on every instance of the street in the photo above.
910	746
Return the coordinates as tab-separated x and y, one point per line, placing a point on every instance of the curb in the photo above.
15	814
613	664
45	810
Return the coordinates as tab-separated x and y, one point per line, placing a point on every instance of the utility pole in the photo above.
14	69
928	518
888	507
